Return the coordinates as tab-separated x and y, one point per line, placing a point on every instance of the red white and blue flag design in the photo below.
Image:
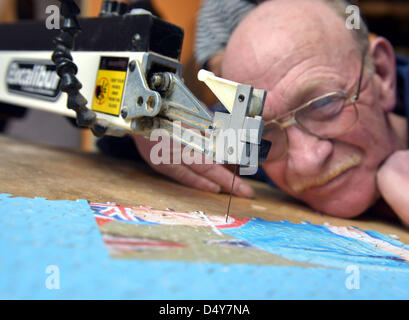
104	213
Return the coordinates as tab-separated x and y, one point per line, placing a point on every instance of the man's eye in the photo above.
326	108
322	102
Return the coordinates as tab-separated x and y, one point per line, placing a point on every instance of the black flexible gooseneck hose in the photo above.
67	69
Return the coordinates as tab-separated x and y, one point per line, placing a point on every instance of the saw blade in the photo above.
231	191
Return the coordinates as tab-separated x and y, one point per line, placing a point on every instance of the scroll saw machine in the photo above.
120	74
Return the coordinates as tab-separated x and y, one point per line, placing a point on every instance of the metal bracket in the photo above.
182	105
241	134
139	100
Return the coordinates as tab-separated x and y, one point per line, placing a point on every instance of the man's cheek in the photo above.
370	144
372	131
276	171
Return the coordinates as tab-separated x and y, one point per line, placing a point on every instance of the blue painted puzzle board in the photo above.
55	250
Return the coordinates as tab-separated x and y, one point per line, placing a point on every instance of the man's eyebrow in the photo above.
299	97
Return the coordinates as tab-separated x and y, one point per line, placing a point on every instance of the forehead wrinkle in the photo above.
297	98
267	62
285	98
320	32
320	80
278	67
257	62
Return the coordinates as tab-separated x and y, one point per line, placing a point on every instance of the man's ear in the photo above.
383	57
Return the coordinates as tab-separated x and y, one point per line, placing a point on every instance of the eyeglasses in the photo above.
325	117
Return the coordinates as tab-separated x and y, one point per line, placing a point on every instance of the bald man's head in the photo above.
300	51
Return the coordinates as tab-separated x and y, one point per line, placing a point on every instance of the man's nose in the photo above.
307	154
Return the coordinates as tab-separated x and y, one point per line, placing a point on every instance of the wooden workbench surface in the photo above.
32	170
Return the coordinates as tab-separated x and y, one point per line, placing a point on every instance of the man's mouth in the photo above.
328	176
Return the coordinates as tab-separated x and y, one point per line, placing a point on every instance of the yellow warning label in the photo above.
108	91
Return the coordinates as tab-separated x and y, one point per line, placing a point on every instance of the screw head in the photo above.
124	112
132	65
156	80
